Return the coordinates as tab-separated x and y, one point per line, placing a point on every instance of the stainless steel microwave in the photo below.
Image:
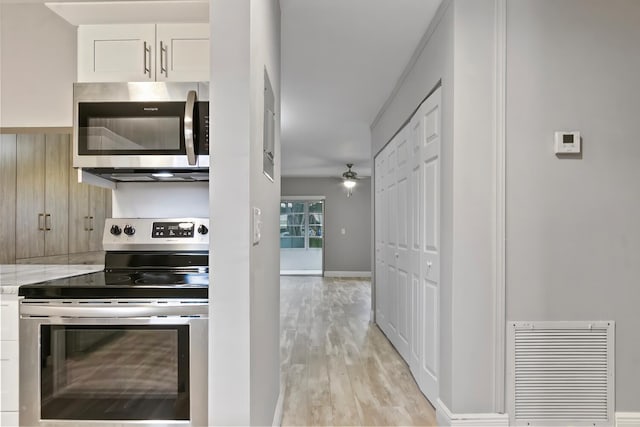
142	131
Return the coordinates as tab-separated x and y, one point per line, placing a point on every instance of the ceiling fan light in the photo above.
349	183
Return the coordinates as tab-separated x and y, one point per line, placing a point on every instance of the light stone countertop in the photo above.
13	276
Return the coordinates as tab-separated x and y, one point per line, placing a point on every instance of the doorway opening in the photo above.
302	237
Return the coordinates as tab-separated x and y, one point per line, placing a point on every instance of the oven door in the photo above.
114	363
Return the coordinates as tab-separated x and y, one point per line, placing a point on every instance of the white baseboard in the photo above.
277	415
447	418
627	419
347	274
301	272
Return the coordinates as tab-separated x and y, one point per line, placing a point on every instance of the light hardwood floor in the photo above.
337	368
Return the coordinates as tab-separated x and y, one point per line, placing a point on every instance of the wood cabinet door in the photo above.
116	53
56	203
8	199
97	213
30	187
182	52
78	214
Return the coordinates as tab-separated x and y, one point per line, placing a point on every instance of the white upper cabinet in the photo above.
143	52
183	52
112	53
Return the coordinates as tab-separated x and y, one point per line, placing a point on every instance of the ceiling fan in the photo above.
349	179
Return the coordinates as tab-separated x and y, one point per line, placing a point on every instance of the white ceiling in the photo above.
341	60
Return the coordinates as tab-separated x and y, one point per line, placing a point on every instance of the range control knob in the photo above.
129	230
202	229
115	230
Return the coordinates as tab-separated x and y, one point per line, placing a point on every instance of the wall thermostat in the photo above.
567	142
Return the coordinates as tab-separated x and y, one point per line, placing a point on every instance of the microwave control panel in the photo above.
203	120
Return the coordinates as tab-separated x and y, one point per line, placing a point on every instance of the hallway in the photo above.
337	368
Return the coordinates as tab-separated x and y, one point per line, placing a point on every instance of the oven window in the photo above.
115	372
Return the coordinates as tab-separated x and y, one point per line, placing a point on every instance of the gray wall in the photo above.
244	326
352	251
573	225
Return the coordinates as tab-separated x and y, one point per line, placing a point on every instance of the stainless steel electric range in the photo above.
127	345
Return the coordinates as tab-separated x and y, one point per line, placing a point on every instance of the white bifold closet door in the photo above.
407	242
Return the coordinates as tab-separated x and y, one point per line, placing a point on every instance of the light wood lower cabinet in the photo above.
7	199
42	197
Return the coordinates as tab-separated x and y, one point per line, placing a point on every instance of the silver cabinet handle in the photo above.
41	221
164	59
86	223
113	310
147	54
47	222
90	223
189	111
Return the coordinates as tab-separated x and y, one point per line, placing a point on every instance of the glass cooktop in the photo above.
138	284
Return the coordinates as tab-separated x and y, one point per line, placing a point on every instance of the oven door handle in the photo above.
113	310
189	113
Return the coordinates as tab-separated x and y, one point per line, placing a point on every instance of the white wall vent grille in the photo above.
561	373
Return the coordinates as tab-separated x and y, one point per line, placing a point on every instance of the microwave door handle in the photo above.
189	112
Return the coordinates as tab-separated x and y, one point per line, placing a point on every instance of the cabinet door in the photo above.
30	177
9	375
9	419
97	212
78	215
112	53
8	198
9	317
183	52
57	163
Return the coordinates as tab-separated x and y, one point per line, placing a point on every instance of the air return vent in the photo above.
561	373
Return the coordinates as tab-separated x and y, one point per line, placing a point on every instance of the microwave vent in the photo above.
150	175
124	177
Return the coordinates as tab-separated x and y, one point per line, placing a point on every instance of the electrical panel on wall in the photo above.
269	128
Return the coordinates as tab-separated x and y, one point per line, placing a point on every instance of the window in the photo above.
301	224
